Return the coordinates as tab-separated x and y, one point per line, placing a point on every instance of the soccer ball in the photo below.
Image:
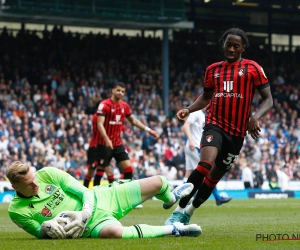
63	220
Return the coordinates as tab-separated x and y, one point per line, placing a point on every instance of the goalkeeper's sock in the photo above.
98	177
128	172
146	231
196	178
164	193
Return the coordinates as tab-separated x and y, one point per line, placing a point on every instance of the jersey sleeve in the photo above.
260	79
127	110
70	184
103	109
27	223
208	80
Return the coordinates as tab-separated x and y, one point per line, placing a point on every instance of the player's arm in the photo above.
69	184
201	102
80	218
102	131
47	230
137	123
253	125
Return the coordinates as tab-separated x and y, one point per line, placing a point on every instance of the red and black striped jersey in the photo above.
96	136
234	86
115	114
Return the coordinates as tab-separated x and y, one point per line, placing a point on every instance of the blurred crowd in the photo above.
50	87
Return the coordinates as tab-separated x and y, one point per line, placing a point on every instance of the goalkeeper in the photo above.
42	198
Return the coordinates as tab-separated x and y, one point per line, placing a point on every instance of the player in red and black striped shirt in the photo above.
228	91
93	158
111	116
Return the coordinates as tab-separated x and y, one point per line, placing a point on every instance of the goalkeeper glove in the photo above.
53	229
79	220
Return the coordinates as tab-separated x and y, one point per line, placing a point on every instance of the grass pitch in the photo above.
240	224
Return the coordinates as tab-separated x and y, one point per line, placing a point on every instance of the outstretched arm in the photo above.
140	125
201	102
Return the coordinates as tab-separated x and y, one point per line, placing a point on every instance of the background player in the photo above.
93	159
111	116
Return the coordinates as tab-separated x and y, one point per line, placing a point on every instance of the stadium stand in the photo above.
49	87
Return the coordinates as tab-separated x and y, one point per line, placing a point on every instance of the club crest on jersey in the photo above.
217	75
209	138
49	189
241	72
46	212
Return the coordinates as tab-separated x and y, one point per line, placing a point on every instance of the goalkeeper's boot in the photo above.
180	192
192	230
177	216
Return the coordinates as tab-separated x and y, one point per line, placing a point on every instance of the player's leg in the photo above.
110	174
216	194
200	173
158	186
191	161
120	197
89	175
90	167
219	199
211	142
231	147
123	160
147	231
98	176
104	156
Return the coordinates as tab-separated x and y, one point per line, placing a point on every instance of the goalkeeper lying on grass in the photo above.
52	204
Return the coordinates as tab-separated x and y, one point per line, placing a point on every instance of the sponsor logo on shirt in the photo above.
228	86
117	122
230	95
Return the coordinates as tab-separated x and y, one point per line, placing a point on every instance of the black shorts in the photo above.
93	156
229	146
105	155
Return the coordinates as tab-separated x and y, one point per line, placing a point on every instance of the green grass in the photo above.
230	226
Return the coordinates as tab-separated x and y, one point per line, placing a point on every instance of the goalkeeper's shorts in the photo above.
112	202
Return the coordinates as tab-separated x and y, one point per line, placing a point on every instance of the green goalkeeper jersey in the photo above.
58	191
